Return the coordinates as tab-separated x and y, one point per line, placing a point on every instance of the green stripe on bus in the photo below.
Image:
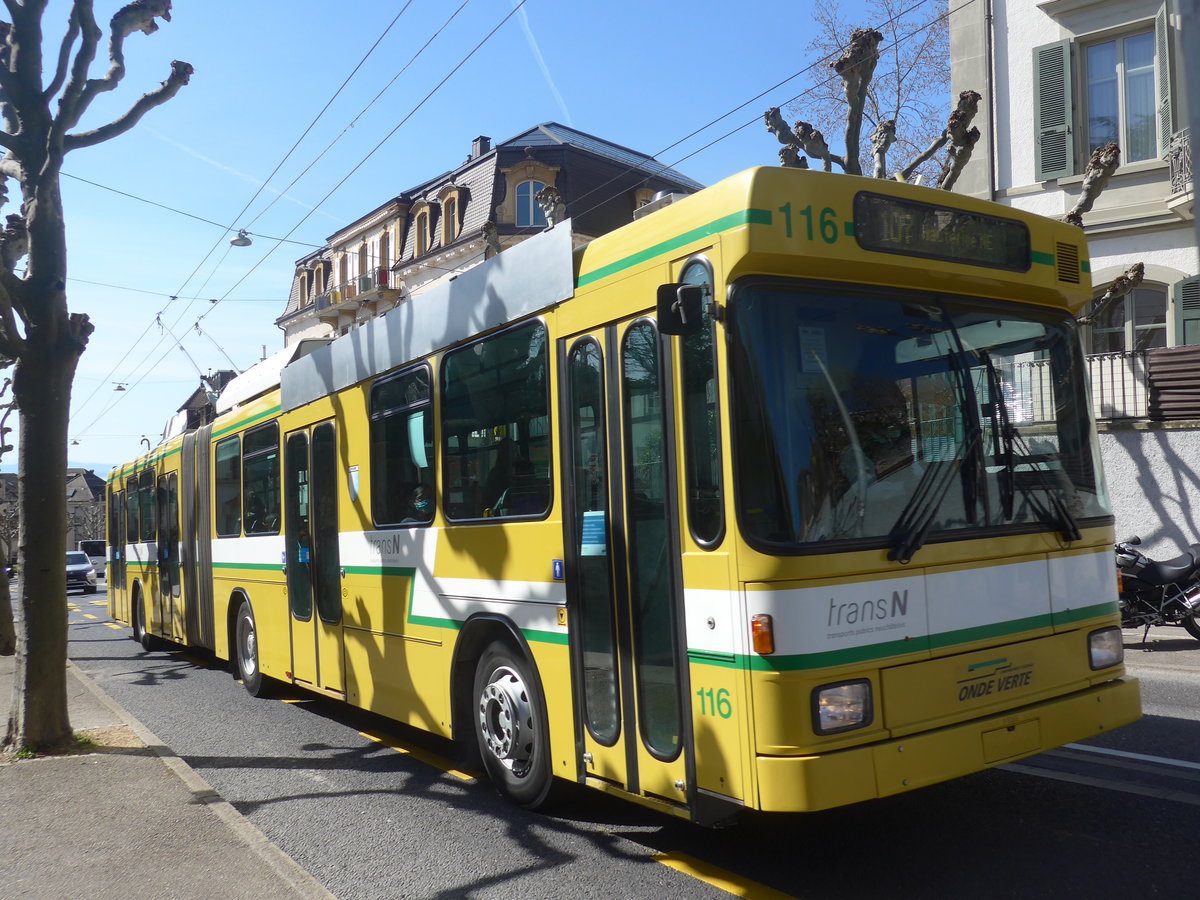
248	567
725	223
875	652
237	426
1044	259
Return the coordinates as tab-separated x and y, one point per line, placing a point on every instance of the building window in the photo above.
1113	88
449	220
529	214
1137	321
1119	77
422	235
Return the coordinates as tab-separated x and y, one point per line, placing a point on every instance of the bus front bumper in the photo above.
806	783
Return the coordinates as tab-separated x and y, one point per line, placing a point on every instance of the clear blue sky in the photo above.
642	73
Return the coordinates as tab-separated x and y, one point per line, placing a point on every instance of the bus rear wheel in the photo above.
141	633
511	727
246	651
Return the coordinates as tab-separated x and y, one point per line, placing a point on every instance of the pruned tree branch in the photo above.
961	147
181	72
855	67
137	16
1120	286
1100	168
957	123
882	139
64	57
803	139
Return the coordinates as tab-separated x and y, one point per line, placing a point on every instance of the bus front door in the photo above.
621	524
313	563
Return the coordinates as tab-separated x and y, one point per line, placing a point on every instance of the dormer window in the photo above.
422	233
529	214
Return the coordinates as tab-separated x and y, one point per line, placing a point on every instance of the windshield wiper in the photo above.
912	525
1005	439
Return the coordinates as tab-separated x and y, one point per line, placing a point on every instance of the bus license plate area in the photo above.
1013	740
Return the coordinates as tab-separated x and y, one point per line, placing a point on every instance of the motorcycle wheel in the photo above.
1192	626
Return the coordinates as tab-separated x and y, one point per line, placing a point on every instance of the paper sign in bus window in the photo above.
813	353
592	541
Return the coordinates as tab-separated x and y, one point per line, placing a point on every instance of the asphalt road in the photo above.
371	821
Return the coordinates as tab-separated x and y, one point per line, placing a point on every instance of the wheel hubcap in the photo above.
506	720
249	646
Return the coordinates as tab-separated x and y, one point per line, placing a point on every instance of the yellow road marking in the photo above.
99	603
113	625
719	878
89	616
431	759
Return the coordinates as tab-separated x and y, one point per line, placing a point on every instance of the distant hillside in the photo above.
101	469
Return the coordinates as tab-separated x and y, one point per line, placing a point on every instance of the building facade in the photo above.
1061	78
432	232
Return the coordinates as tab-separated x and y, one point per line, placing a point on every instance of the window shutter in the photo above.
1054	150
1186	297
1162	65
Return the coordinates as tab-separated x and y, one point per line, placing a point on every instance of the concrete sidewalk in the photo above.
131	820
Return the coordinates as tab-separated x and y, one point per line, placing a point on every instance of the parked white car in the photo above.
80	572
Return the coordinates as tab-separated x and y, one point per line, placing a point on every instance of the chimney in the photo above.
480	146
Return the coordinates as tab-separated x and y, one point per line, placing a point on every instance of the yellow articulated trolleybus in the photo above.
783	496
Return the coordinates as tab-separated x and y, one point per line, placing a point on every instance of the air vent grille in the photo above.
1067	259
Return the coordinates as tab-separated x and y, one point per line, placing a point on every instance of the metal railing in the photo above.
1119	382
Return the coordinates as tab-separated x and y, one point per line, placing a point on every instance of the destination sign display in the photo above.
891	225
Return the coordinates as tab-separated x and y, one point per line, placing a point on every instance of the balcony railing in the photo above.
1120	388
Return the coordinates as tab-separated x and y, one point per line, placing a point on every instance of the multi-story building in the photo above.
443	226
1059	79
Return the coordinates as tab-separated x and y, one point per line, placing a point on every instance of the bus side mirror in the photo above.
679	308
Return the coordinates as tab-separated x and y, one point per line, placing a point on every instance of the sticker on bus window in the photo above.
814	355
592	541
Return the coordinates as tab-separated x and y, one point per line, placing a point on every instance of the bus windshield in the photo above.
889	417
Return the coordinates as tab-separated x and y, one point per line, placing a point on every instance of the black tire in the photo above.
90	589
140	633
1192	626
245	652
511	729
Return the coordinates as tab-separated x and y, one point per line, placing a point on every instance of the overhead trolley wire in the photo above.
359	165
286	156
666	166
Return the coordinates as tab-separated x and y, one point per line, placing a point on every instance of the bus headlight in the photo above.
1105	648
841	707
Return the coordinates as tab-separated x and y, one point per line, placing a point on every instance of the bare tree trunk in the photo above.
37	332
39	715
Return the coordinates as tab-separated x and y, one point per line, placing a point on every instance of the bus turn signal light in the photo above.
762	632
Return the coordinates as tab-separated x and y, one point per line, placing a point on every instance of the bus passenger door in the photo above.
169	593
118	596
623	581
313	563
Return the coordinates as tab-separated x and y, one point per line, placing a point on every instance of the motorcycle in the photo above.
1158	592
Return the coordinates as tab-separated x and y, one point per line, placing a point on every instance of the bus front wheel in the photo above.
511	727
246	650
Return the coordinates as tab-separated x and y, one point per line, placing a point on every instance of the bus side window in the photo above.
260	479
402	490
496	426
147	495
132	532
701	420
227	474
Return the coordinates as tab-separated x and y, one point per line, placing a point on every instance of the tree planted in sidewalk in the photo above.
39	336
